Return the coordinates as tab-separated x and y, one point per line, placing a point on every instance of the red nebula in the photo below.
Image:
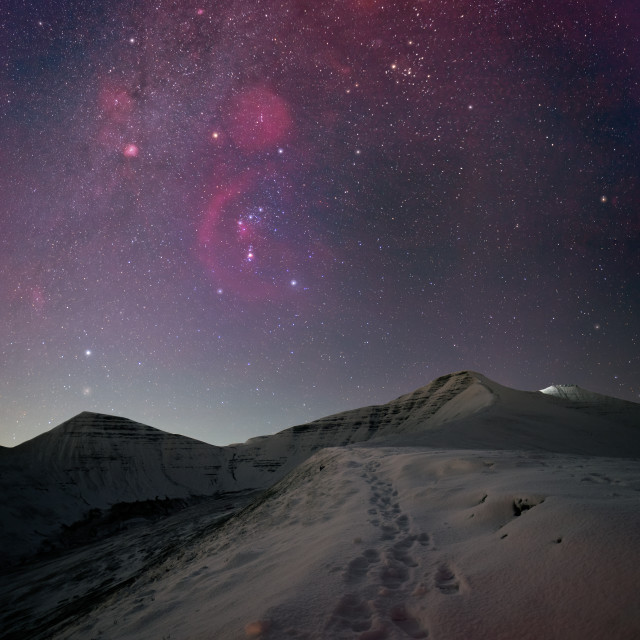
259	119
229	255
131	151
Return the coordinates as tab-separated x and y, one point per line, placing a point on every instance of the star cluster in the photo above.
224	219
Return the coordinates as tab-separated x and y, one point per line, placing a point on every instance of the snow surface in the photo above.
462	510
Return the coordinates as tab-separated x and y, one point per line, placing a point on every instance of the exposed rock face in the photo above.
97	461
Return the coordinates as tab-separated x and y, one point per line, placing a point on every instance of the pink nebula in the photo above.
131	151
229	253
259	119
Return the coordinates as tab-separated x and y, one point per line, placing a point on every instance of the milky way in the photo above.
226	218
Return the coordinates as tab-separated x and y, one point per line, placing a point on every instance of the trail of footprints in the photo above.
382	600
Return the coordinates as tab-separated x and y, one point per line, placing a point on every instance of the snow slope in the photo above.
369	542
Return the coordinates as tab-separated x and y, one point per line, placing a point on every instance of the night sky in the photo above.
225	218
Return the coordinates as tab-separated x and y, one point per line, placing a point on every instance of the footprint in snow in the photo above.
424	539
400	551
351	614
406	622
358	567
446	580
388	531
393	574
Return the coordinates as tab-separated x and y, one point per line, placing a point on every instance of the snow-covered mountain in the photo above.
95	461
468	410
464	509
574	393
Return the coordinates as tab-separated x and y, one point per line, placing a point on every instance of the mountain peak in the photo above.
575	393
88	421
458	380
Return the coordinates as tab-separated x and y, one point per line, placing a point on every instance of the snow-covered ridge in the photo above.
447	398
